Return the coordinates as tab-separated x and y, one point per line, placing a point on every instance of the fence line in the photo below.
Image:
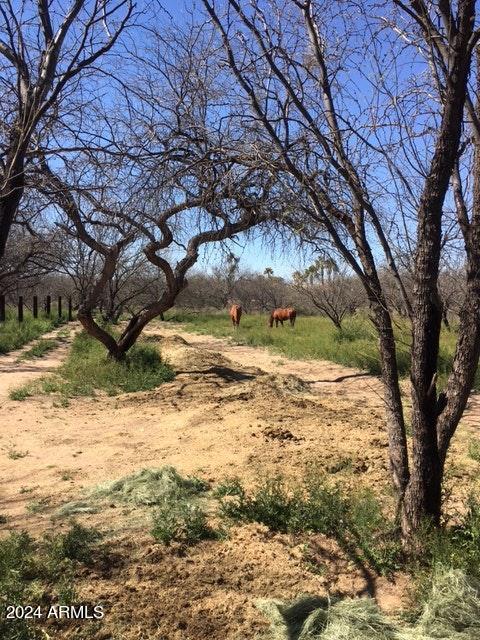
47	307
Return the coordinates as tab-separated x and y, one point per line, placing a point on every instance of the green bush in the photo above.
77	544
314	506
179	519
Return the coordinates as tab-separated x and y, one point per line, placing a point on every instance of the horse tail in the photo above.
270	322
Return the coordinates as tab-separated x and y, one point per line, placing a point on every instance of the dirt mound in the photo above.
284	383
278	433
167	340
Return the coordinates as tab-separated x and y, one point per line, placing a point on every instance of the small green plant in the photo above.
180	520
38	506
21	393
474	449
77	544
39	571
313	505
14	454
42	347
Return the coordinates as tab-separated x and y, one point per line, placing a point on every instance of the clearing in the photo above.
231	411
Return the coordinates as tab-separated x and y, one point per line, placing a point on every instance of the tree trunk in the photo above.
397	438
9	203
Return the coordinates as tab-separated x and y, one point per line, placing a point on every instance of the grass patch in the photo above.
314	505
40	572
474	449
88	368
42	347
315	338
14	334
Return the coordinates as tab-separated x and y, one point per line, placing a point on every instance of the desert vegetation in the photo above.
156	169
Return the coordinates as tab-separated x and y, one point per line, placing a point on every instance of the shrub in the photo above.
180	520
314	506
77	544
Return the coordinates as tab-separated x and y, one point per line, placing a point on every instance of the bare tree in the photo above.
339	146
337	297
44	55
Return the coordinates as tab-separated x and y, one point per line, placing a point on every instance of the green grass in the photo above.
313	505
88	368
474	449
42	347
14	334
315	338
41	572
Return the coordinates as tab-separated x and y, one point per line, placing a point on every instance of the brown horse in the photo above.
235	315
279	315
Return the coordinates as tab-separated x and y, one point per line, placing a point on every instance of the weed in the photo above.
27	489
21	393
77	544
38	506
14	454
37	571
42	347
66	475
180	520
474	449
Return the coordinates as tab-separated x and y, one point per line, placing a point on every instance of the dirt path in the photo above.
324	377
14	372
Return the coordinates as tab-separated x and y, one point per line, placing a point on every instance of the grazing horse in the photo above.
279	315
235	315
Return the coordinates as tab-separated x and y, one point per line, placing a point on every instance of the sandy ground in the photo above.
231	410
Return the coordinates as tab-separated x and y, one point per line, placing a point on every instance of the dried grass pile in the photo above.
452	612
147	487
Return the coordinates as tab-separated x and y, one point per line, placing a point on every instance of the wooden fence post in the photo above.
59	306
70	309
2	308
48	305
20	308
35	306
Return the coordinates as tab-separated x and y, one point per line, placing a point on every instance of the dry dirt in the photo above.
231	411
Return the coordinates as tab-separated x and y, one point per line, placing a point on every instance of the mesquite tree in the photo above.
45	53
375	148
187	179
